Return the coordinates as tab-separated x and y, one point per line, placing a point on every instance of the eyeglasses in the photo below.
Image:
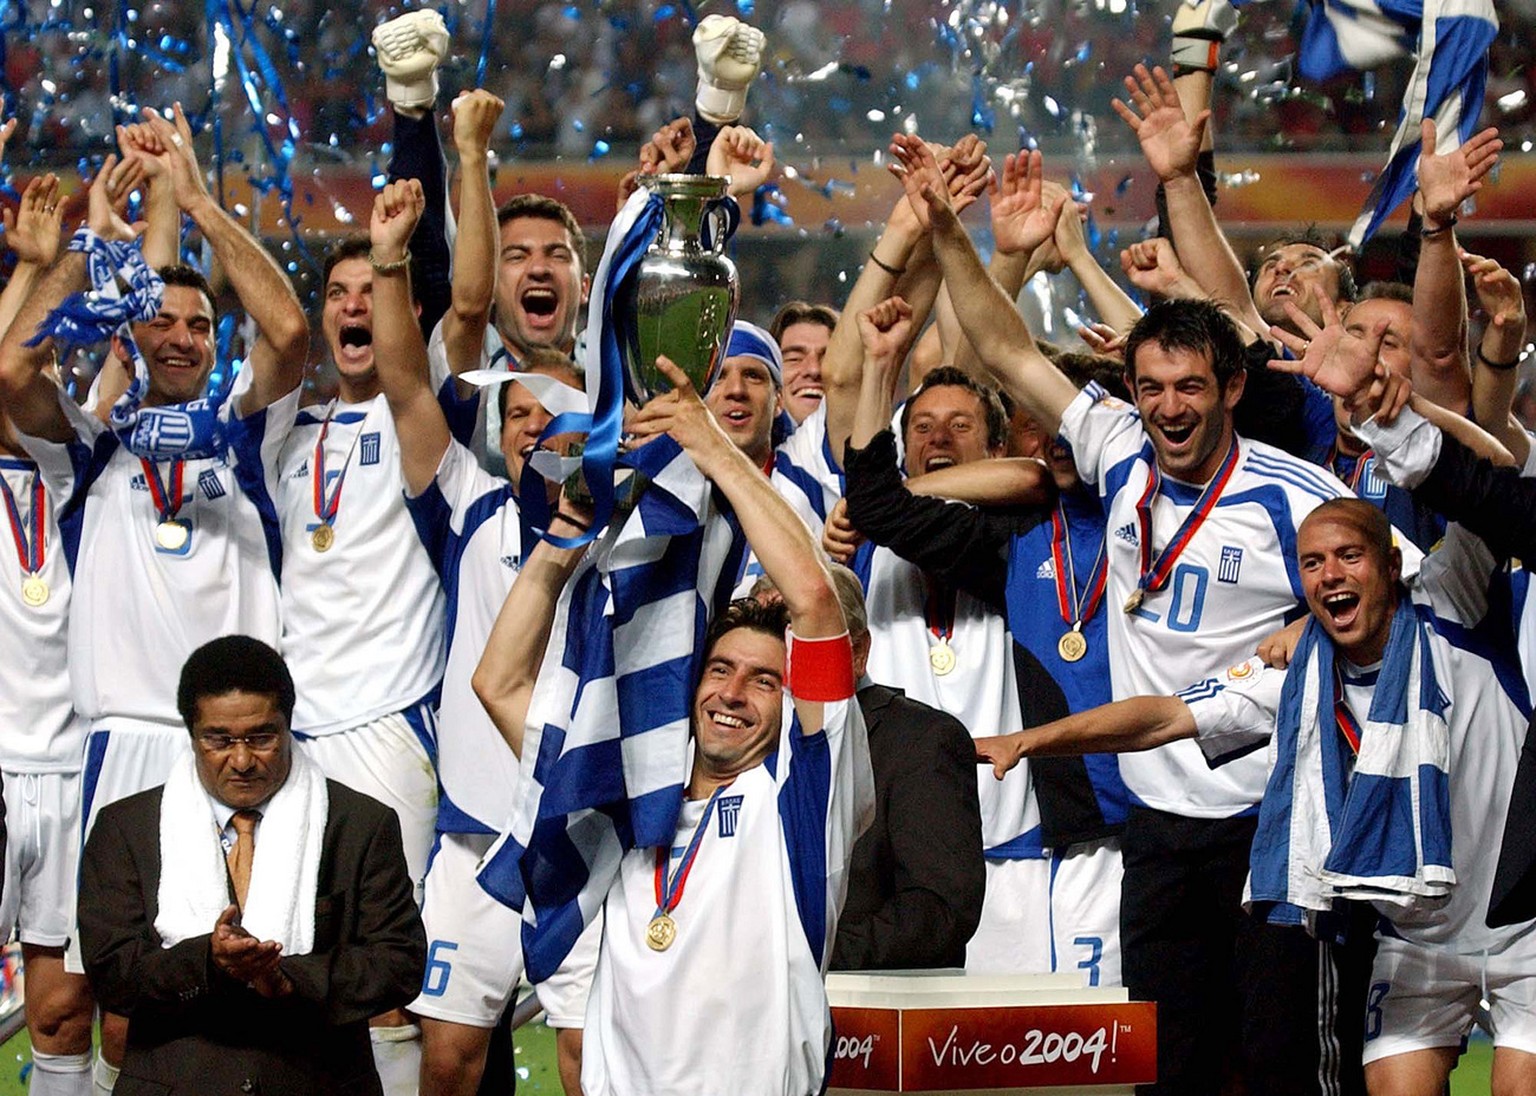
256	742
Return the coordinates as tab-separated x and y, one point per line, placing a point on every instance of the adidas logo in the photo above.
138	483
302	472
1047	569
509	561
1127	533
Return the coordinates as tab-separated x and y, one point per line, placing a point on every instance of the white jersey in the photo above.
468	520
1486	718
980	690
1235	583
41	732
363	620
737	1003
138	609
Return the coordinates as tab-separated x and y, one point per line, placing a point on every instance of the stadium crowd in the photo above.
1196	661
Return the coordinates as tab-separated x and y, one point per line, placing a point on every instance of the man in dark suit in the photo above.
917	878
219	1008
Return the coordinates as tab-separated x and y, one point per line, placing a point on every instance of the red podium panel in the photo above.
998	1048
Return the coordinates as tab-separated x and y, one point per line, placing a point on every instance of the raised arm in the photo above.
399	353
1495	369
1140	723
514	651
162	216
475	246
1111	302
27	391
1438	338
1171	144
33	233
266	294
994	327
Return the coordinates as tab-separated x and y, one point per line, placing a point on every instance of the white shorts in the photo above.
474	948
1422	998
390	759
42	856
123	758
1049	915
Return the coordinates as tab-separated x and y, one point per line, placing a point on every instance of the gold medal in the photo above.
1071	646
941	658
172	535
322	538
34	591
1133	602
660	933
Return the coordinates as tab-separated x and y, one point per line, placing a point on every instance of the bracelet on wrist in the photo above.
893	271
1500	367
392	267
1427	233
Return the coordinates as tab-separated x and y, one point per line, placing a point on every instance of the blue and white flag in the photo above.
1380	833
1450	39
125	290
605	750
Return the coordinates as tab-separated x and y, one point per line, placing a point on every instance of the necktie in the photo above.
242	852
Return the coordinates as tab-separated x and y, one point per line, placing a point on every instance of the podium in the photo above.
937	1031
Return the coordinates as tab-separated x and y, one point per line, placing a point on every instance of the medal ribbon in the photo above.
167	500
941	611
30	555
1076	611
1354	477
1154	575
669	891
1349	726
326	508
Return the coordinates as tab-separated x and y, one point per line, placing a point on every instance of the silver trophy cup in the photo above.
681	299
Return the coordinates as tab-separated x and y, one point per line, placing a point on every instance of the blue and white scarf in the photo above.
1381	834
126	290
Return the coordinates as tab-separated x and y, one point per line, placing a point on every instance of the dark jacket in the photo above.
917	876
191	1028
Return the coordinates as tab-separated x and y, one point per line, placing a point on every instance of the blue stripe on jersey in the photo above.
1492	640
1307	477
311	416
1115	479
1277	505
1027	846
462	412
245	434
1202	690
807	484
803	803
860	564
452	818
433	519
88	463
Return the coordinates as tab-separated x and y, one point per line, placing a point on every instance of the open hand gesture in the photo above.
32	229
1170	143
1021	220
1447	181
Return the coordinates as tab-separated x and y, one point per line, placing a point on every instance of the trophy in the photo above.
680	300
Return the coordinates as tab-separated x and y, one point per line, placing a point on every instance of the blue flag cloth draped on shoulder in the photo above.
605	750
1449	39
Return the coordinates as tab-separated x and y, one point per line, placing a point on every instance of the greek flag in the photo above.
1450	39
605	752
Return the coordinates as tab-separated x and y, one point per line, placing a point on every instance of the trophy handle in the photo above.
728	209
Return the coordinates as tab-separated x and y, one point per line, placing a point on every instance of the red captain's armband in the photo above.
819	670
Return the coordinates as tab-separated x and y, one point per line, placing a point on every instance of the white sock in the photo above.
397	1057
104	1077
60	1074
